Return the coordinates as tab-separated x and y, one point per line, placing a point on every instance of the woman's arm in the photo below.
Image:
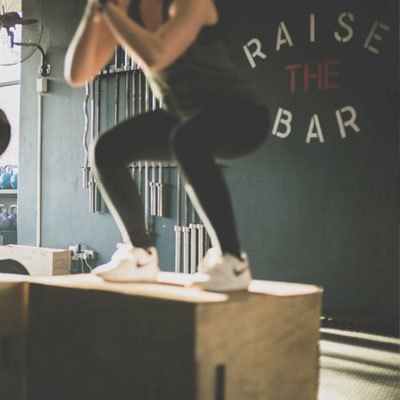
158	49
91	47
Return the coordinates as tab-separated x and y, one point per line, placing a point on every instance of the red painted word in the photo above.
322	75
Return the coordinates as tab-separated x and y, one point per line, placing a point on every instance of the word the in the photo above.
322	75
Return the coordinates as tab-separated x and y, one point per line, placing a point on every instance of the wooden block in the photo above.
39	261
13	324
168	342
87	339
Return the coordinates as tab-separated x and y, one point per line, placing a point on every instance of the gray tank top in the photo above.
204	75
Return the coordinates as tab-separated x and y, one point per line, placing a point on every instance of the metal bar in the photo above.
127	82
92	128
85	168
160	194
97	195
186	231
193	242
158	186
39	175
9	83
140	103
178	246
117	83
153	101
146	194
139	177
134	171
147	96
146	164
178	228
134	76
133	107
153	190
200	228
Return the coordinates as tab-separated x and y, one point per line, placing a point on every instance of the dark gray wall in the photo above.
323	213
66	219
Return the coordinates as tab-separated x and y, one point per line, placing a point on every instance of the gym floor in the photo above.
358	366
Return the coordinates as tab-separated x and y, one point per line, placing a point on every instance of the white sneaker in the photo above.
130	264
223	272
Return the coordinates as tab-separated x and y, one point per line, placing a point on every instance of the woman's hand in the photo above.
91	10
160	48
92	5
99	4
91	47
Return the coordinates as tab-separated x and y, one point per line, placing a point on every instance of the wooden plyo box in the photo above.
39	261
13	327
87	339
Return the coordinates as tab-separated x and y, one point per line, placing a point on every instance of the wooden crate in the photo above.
39	261
87	339
95	340
14	291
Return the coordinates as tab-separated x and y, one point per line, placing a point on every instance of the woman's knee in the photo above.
101	153
249	130
183	141
263	122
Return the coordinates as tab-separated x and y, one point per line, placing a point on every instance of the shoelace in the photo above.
211	259
123	252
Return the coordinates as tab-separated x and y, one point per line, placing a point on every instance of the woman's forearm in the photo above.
97	35
141	43
90	49
157	49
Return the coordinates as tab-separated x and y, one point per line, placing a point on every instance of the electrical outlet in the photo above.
77	253
41	85
89	254
75	248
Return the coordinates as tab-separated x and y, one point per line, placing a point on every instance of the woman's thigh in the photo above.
229	129
143	137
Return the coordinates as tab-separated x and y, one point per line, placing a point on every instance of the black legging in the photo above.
223	132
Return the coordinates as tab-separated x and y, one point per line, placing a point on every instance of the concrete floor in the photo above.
358	366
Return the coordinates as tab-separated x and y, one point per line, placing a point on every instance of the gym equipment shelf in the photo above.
9	191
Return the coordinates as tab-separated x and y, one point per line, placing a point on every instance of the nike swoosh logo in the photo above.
240	272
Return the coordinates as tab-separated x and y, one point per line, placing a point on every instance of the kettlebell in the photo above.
14	181
5	177
13	217
4	220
